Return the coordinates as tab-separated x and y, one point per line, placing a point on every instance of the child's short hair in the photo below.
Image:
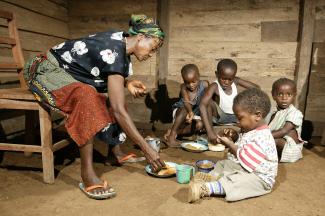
186	69
226	63
283	81
253	100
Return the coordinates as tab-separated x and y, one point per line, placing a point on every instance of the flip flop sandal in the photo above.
131	158
109	193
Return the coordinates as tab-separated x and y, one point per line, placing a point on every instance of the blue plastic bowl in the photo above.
205	165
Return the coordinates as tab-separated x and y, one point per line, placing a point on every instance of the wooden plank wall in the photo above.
87	17
41	25
261	36
315	109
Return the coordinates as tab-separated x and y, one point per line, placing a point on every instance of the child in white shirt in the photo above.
222	91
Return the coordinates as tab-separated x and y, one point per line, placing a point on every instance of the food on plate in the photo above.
168	170
191	147
206	165
217	147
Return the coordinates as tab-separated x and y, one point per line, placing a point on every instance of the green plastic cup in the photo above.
184	173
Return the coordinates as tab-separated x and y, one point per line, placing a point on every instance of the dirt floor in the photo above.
299	190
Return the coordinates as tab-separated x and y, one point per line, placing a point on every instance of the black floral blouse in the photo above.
91	59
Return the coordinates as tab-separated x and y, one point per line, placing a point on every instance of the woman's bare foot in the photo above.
88	175
89	178
122	157
118	153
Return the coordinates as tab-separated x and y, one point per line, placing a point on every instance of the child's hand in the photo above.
189	117
136	88
225	140
231	134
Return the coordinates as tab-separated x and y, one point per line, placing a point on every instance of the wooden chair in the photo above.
22	99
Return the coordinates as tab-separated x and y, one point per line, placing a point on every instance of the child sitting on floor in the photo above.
186	111
223	92
252	163
286	122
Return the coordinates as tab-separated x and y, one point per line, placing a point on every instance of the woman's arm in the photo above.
245	83
115	84
288	126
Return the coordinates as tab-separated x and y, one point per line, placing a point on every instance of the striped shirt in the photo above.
257	154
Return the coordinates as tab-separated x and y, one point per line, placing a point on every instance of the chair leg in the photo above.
30	129
47	148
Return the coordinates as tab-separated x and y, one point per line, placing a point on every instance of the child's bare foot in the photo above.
167	134
171	141
199	126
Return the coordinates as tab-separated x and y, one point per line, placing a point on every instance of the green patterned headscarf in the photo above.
145	25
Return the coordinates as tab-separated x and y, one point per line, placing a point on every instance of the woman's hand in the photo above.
136	88
189	117
153	159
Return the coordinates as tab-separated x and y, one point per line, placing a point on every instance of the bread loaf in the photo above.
167	171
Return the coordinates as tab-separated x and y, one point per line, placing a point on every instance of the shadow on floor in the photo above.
159	100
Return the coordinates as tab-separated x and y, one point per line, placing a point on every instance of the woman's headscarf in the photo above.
145	25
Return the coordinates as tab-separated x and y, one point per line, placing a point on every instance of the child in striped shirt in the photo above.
251	168
286	122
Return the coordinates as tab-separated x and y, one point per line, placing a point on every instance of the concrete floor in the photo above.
299	189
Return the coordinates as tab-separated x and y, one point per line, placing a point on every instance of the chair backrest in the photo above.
12	40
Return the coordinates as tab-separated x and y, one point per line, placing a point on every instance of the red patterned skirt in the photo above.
85	109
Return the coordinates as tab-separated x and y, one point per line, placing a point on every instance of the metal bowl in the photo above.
205	165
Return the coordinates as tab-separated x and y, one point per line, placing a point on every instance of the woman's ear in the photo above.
140	36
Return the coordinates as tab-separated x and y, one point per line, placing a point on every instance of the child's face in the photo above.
226	78
247	121
284	96
191	80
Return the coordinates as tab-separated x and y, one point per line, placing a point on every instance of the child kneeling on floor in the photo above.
286	122
220	95
252	163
